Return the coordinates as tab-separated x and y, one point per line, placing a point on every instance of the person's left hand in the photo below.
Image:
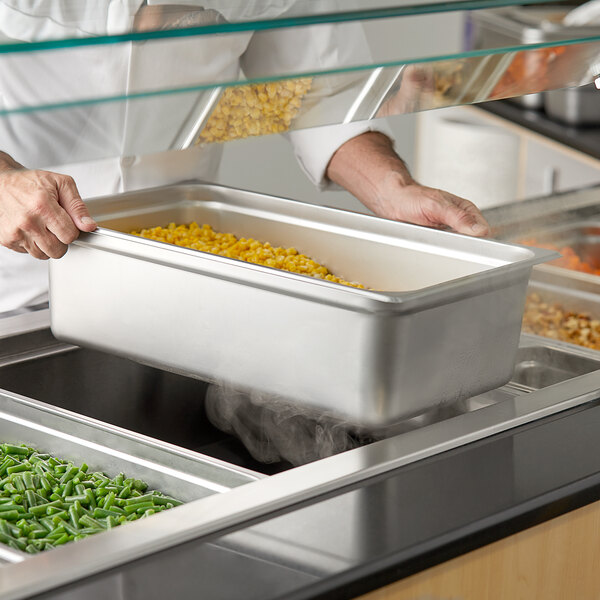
422	205
368	168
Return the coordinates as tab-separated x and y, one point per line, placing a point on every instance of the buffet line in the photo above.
69	483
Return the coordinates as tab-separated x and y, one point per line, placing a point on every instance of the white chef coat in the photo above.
133	132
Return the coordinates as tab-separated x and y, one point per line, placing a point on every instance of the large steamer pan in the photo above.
442	322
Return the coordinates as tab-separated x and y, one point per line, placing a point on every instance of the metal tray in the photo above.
581	295
454	310
180	473
581	235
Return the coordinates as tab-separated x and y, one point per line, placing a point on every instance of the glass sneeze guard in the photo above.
186	78
65	23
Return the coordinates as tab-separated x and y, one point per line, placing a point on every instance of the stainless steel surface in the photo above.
381	85
258	499
18	321
121	392
192	128
518	219
574	106
581	295
172	470
366	355
568	219
581	235
540	363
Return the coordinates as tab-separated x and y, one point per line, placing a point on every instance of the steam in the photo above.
275	430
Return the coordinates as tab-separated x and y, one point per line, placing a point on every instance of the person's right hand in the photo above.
40	212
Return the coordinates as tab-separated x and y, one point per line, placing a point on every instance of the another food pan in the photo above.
174	471
441	323
573	312
582	236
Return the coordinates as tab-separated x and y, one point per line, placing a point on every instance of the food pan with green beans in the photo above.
46	502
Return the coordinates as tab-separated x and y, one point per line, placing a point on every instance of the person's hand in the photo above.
40	212
368	167
422	205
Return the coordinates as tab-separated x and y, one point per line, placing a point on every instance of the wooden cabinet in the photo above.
556	560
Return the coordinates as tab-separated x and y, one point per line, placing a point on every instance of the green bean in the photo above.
10	449
11	515
131	508
68	475
28	481
125	492
47	523
46	502
61	540
145	498
82	499
91	499
7	462
68	489
39	499
17	469
41	509
167	500
60	515
90	522
109	500
18	483
101	513
56	532
10	506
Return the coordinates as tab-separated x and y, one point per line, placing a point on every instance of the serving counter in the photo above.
431	489
469	471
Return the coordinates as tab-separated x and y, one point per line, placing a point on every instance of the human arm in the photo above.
40	212
368	167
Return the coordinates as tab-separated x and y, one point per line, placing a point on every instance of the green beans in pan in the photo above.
46	502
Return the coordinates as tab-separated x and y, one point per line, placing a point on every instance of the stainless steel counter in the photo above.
572	380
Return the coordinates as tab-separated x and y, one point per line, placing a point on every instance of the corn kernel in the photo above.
205	239
256	109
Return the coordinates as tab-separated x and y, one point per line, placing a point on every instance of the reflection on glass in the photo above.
133	99
187	117
62	23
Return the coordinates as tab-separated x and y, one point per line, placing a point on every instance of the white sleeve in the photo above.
315	147
312	49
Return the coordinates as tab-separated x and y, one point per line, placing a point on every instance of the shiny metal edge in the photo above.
23	321
256	500
335	221
139	438
304	286
190	131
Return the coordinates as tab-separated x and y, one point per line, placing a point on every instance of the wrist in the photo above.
8	163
